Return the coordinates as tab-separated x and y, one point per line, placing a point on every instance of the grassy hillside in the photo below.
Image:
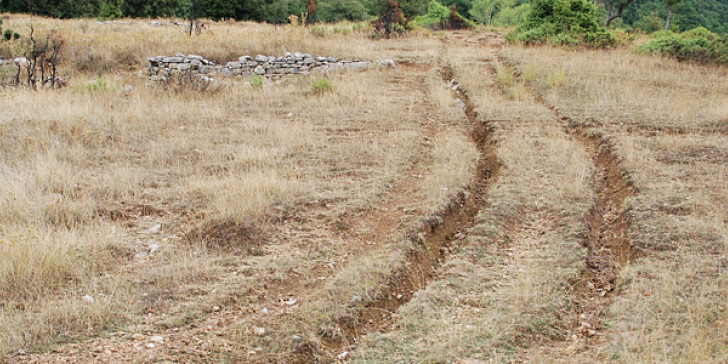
482	201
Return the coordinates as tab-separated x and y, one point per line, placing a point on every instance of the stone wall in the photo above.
161	67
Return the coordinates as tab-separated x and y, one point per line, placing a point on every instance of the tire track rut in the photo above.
432	239
609	247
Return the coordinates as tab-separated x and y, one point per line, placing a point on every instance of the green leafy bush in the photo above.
697	45
321	86
8	34
440	17
256	80
563	22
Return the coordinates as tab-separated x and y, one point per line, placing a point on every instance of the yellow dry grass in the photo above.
88	169
283	199
668	121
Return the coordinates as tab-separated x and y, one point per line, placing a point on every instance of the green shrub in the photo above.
8	34
697	45
321	86
318	31
94	86
563	22
256	80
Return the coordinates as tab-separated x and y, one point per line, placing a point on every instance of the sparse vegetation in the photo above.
321	86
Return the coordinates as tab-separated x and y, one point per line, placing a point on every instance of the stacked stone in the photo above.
161	67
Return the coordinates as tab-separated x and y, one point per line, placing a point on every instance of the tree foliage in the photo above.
685	14
441	17
646	15
337	10
563	22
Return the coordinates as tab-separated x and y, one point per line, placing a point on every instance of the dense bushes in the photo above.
563	22
697	45
440	17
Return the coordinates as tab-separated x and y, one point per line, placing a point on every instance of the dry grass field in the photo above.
547	206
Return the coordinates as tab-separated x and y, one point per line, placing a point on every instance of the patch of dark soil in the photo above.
125	212
239	237
647	130
692	154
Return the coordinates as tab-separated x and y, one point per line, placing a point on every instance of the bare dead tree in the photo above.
43	56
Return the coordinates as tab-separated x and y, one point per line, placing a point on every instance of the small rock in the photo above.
150	345
290	115
459	103
154	229
296	338
259	331
215	308
153	248
99	349
355	299
343	355
156	339
265	311
88	298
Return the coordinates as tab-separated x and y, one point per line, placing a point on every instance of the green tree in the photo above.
563	22
156	8
337	10
483	11
278	12
670	5
615	9
410	8
512	16
110	9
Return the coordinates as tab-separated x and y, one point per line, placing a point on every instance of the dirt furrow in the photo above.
608	244
432	239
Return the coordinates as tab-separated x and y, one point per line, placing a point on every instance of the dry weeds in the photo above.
279	209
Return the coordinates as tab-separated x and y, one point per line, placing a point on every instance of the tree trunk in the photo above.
669	17
622	4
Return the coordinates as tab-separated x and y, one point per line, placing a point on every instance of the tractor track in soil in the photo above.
432	239
608	245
